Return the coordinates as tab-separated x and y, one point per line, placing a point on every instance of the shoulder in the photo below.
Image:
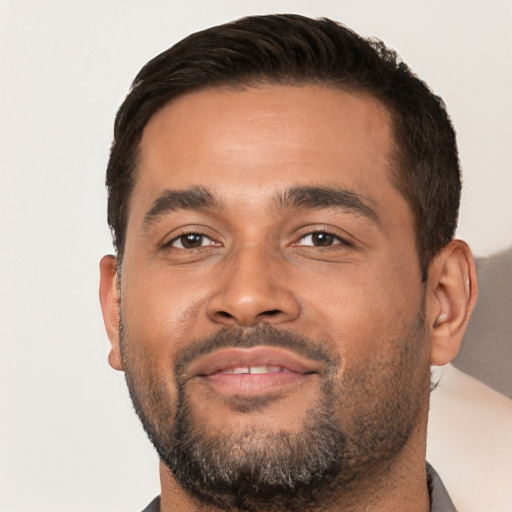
154	506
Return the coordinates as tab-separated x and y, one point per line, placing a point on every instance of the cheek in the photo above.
162	307
363	311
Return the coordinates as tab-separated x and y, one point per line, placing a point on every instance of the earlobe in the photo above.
452	293
109	300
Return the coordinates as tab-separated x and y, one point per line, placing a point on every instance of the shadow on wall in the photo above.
486	351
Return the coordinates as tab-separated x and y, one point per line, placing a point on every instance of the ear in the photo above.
451	296
109	300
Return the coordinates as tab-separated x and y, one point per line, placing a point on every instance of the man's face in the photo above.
270	286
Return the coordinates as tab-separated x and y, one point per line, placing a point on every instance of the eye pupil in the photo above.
322	239
191	240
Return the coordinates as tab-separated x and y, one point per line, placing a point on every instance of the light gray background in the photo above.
69	440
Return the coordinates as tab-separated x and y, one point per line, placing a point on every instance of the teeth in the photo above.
241	370
265	369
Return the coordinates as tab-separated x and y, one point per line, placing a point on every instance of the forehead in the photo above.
267	137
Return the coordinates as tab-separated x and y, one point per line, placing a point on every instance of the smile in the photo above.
244	370
253	371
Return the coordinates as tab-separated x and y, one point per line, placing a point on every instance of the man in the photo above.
283	196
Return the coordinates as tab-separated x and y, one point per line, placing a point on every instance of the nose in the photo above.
252	289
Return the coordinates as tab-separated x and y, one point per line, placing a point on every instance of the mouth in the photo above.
252	371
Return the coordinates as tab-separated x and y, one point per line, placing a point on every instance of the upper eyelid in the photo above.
343	240
174	238
323	232
335	231
340	234
190	229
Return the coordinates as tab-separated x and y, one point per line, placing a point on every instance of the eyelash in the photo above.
335	240
180	238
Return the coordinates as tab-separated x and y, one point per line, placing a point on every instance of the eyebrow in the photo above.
194	198
326	197
198	198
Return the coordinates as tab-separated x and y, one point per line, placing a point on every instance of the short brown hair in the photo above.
292	49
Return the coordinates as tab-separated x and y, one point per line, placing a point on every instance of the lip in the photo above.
211	369
224	359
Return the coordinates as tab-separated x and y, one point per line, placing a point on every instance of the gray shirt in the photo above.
439	499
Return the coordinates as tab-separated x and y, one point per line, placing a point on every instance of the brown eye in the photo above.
190	241
320	239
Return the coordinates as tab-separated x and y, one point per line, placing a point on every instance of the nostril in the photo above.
271	312
225	314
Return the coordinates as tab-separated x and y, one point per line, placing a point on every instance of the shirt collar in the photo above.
439	498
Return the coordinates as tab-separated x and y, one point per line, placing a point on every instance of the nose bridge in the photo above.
253	289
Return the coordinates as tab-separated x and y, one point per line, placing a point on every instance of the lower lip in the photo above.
253	384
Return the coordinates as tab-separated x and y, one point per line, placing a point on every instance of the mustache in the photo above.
263	334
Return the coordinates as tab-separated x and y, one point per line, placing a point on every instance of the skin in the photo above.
258	262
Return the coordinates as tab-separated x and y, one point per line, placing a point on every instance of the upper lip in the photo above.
226	358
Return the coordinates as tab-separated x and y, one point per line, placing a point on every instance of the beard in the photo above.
360	422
